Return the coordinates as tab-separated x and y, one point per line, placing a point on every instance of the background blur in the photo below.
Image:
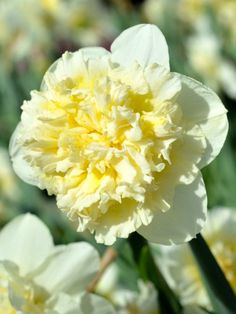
201	35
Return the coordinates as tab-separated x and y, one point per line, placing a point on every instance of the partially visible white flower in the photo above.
120	140
144	300
181	270
40	278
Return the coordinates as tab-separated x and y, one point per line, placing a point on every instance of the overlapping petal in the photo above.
67	269
143	43
184	220
26	241
202	106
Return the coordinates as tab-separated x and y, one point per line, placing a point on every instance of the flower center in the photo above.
31	299
226	256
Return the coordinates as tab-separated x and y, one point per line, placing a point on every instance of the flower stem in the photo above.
109	256
213	275
148	270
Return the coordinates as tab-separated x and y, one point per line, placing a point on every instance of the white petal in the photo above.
202	106
62	304
143	43
26	241
182	222
71	64
93	304
93	52
122	219
17	152
70	270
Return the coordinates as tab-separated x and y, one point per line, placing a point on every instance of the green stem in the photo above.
213	274
148	270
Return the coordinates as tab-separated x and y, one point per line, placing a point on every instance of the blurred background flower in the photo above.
180	268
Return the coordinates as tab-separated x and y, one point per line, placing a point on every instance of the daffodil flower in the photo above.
38	277
181	272
120	140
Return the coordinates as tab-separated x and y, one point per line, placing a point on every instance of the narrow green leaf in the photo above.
221	294
148	270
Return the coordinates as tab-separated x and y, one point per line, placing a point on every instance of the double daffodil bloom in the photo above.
37	277
120	140
180	268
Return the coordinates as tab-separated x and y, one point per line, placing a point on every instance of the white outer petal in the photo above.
94	304
26	241
202	106
184	220
143	43
17	153
70	270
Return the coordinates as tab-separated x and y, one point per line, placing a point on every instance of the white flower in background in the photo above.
180	268
29	29
40	278
143	301
126	301
204	50
23	30
84	22
154	10
120	140
225	14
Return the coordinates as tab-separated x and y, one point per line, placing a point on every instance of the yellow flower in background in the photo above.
179	266
37	277
120	140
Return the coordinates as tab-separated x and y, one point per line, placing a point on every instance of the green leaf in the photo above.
148	270
220	292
